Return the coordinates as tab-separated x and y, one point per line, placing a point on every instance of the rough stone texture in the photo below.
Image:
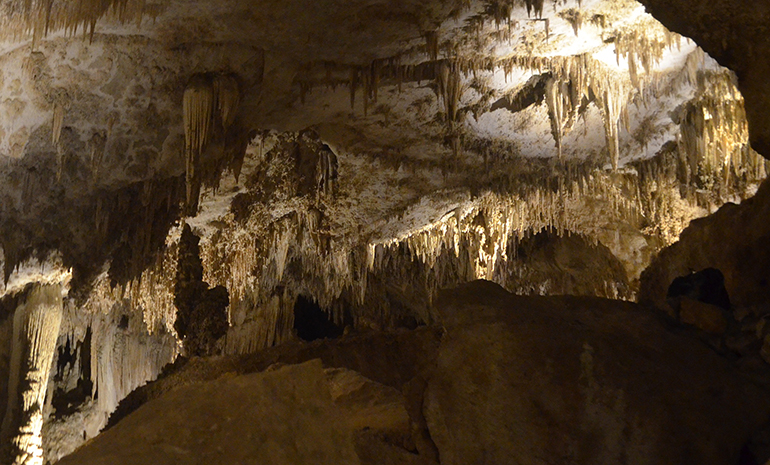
389	358
531	380
547	264
736	33
93	148
289	415
525	380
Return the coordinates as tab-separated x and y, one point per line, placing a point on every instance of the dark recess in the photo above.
312	323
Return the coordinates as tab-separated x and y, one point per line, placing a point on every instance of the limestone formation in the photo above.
185	180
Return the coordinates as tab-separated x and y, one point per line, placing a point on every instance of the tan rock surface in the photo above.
288	415
571	380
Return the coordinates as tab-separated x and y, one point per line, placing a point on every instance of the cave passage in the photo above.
311	322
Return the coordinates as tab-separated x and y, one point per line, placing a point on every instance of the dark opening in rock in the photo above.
707	286
66	403
312	323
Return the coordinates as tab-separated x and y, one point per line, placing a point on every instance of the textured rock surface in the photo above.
706	317
544	380
734	240
289	415
360	155
526	380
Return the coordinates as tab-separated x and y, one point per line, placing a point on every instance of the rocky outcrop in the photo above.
540	380
525	380
288	415
734	241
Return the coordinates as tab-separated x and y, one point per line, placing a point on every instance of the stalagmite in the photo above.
35	331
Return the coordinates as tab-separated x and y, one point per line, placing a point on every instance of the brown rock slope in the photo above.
514	380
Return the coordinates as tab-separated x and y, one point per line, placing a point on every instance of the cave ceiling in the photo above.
329	133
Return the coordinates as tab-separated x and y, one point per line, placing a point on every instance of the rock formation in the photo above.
181	181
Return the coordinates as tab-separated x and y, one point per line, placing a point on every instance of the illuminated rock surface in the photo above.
203	178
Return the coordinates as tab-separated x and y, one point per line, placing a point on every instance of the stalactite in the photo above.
713	138
38	18
573	16
574	78
554	100
124	359
267	259
611	108
536	7
56	125
643	43
326	172
431	44
353	85
198	110
449	83
227	99
96	146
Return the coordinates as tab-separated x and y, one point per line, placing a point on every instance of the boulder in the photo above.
706	317
534	380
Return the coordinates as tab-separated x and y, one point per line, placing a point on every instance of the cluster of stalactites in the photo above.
38	18
253	264
254	261
644	46
130	334
641	45
131	338
209	106
536	7
575	17
557	204
268	261
713	139
573	82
